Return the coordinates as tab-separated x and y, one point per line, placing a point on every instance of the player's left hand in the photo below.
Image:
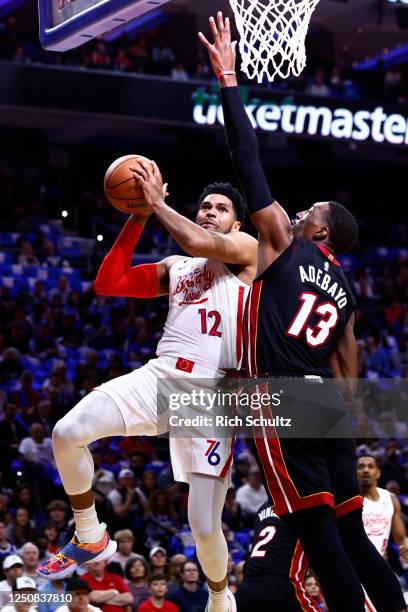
403	550
222	52
149	177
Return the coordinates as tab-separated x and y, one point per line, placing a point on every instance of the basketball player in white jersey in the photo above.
381	510
201	339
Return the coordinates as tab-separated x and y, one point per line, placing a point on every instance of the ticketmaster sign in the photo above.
318	119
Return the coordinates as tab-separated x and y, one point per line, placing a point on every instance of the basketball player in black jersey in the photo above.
275	569
300	323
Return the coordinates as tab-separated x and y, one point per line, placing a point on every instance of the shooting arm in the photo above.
116	277
344	360
233	248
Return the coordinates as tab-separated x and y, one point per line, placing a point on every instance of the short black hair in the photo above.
369	456
343	228
227	190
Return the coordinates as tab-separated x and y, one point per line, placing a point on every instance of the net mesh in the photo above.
272	36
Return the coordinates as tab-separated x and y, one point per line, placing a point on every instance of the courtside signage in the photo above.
319	120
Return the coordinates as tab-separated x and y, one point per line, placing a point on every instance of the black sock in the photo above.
375	574
317	530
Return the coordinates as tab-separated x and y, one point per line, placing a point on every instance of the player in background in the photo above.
300	323
275	570
381	510
201	339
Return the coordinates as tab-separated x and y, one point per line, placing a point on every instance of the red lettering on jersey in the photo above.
194	285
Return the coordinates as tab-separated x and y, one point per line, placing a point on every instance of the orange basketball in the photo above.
122	189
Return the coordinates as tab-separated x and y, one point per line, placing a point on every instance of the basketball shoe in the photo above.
76	553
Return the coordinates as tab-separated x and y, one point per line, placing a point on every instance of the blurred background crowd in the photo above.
58	340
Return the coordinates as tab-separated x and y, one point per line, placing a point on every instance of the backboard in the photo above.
78	21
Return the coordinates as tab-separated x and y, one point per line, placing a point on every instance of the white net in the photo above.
272	36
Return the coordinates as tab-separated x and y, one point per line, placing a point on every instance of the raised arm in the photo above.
117	278
234	248
270	219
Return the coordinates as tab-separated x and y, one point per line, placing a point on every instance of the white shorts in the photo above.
136	395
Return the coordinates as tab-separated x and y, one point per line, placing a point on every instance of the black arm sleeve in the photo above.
244	148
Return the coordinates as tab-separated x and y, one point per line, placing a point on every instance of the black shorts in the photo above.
269	594
300	473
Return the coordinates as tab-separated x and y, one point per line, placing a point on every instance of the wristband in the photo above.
224	73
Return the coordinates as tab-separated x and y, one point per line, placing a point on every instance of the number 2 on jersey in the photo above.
213	314
266	536
317	335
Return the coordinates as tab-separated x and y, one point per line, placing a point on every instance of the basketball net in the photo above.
272	36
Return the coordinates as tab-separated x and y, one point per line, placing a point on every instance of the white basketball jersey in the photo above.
206	307
377	518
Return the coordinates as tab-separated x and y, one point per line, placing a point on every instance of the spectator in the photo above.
10	365
178	73
399	356
37	449
149	483
58	515
25	396
160	520
50	538
124	553
240	470
12	568
157	599
80	597
136	578
31	560
232	514
191	596
6	547
12	432
162	57
128	502
19	531
25	498
251	495
122	61
27	257
24	586
54	587
318	87
109	591
312	588
158	561
175	567
104	480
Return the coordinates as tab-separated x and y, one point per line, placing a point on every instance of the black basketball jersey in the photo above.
275	550
297	310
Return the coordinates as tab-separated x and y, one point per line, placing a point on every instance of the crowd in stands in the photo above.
58	340
151	54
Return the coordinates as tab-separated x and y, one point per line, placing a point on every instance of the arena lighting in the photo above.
64	213
397	2
308	120
99	237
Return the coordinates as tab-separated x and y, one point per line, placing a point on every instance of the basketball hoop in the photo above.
272	36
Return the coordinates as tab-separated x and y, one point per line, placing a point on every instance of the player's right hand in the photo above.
222	52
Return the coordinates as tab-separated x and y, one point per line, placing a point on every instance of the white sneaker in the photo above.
228	605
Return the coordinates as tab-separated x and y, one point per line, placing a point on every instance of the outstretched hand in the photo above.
148	176
222	52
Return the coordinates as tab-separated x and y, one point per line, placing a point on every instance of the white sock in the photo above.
218	594
88	527
217	600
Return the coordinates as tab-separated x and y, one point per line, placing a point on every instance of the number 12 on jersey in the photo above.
317	335
210	322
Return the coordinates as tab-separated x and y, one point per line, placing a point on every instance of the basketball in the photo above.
122	188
